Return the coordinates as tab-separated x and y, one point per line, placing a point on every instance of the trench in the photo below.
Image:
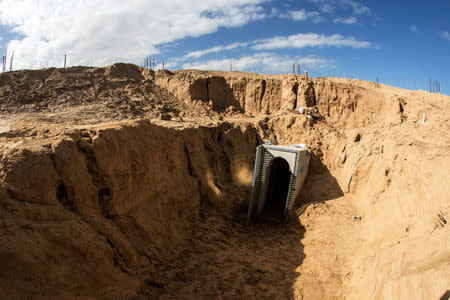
142	209
165	210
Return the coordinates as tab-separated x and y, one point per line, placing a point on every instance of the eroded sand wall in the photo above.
95	212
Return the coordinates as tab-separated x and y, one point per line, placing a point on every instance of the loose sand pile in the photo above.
120	182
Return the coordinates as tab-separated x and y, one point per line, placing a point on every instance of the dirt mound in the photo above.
123	182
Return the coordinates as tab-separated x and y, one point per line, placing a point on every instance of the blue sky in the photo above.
402	42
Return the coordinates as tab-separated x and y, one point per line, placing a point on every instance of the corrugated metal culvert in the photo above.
278	176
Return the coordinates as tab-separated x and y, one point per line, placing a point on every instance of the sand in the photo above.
121	182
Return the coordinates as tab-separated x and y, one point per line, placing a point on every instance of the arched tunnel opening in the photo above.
278	188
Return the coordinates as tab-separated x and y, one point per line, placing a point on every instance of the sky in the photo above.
403	43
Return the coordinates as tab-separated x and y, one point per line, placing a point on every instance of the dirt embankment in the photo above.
121	182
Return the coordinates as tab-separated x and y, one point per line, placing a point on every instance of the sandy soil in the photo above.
120	182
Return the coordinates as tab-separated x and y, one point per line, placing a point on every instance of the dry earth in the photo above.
120	182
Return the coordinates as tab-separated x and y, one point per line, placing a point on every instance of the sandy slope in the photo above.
121	182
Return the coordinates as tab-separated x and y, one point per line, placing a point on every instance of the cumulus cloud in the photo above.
303	15
303	40
445	35
199	53
261	62
96	30
348	21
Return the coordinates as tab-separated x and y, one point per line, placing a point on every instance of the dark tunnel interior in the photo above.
279	176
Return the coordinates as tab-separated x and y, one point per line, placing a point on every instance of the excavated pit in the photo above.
119	182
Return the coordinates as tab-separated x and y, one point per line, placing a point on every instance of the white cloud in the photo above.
302	15
261	62
328	6
303	40
358	8
199	53
98	30
293	41
445	35
349	21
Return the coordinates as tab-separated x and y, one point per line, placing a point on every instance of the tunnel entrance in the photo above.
278	187
278	175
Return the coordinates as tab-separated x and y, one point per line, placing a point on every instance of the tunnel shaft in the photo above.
279	176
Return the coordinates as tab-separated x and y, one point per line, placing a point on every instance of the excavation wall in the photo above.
95	212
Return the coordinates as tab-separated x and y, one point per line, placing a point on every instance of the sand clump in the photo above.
123	182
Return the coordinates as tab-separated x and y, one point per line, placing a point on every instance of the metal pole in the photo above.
11	65
65	60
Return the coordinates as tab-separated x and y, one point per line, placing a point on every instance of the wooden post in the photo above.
163	65
298	69
377	82
430	84
293	68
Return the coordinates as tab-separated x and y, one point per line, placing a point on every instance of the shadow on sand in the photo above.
319	186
